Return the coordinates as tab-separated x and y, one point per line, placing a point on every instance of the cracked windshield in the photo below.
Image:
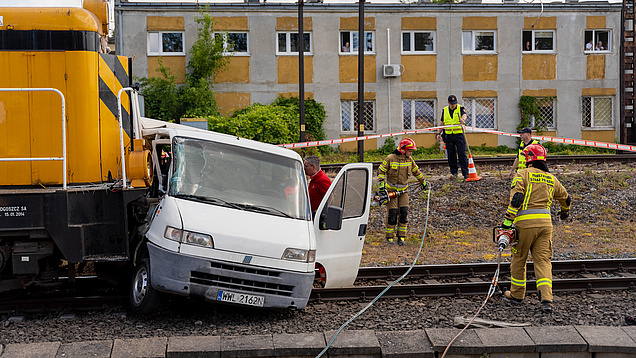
239	178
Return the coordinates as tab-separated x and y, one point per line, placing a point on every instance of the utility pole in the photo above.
301	70
361	47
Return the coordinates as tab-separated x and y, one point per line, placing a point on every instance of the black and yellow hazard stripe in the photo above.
113	76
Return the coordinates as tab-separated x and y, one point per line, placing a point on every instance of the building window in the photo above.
597	112
349	116
165	43
414	42
234	42
418	113
546	109
287	43
538	41
598	40
349	42
479	41
480	112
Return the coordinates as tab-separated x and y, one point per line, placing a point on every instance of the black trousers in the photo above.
456	147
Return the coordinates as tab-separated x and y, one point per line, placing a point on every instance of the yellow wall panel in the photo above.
176	64
291	23
546	92
545	133
351	23
480	68
595	67
544	23
288	69
418	94
478	139
596	22
480	94
598	92
419	68
369	144
231	23
608	136
479	23
349	96
228	102
419	23
308	95
349	69
424	140
237	71
538	67
165	23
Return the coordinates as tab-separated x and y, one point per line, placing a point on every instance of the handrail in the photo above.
63	157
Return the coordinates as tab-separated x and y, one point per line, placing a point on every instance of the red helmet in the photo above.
406	144
535	152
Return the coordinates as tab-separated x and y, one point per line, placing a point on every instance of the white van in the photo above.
233	223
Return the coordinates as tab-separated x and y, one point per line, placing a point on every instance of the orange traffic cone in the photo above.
472	172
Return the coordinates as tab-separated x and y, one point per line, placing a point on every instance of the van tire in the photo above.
144	299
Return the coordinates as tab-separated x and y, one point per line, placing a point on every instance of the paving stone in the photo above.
247	346
97	349
607	339
405	344
467	343
631	331
194	347
361	343
32	350
154	347
556	339
298	345
505	340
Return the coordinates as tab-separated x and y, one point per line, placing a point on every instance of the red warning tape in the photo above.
581	142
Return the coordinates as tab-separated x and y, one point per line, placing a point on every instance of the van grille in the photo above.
250	284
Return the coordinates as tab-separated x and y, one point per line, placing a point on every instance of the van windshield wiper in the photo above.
267	209
207	199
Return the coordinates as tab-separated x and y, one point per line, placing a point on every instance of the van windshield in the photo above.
240	178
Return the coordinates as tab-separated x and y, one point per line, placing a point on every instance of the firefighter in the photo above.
520	161
532	192
393	175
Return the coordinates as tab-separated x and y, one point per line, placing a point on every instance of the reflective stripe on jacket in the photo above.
448	120
395	171
522	158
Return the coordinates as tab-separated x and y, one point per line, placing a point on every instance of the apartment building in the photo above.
415	55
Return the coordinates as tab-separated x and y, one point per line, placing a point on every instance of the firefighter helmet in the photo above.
406	144
535	152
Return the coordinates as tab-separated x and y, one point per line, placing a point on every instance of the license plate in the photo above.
240	298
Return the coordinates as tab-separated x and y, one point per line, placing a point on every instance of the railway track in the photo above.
508	160
476	280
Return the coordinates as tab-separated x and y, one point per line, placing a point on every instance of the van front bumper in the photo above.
187	275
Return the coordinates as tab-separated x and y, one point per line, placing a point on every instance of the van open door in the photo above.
341	224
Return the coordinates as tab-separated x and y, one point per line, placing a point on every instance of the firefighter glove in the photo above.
507	224
424	185
382	186
564	214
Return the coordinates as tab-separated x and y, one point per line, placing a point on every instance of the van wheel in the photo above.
143	298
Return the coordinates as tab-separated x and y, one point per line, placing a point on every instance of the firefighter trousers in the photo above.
538	241
396	215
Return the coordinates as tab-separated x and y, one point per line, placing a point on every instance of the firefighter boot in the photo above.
546	306
400	241
390	241
508	298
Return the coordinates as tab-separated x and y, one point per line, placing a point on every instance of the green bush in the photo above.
315	115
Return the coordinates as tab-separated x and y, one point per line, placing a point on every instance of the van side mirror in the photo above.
332	220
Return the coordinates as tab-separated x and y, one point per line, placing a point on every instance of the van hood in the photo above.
245	232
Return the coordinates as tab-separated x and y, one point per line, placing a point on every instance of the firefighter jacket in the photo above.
531	195
451	120
395	170
521	156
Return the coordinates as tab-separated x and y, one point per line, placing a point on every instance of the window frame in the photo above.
533	41
554	102
412	50
288	51
592	126
160	43
226	43
351	34
472	50
608	43
412	119
470	122
352	123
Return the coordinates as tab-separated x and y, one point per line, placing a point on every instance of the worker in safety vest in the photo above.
533	190
520	161
393	175
454	115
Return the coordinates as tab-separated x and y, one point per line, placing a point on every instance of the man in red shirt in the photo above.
319	183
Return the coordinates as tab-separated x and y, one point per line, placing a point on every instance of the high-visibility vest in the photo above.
448	120
522	158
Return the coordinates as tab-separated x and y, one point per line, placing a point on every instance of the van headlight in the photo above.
299	255
188	237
